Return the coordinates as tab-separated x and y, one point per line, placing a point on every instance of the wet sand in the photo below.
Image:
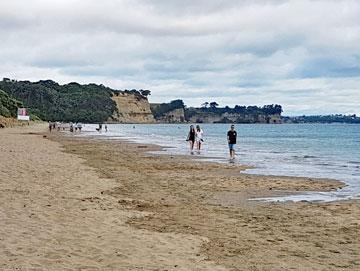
81	204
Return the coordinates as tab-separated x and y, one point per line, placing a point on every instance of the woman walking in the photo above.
198	137
191	138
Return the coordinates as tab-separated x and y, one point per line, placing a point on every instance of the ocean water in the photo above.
304	150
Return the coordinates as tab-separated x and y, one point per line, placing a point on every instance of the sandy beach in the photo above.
69	203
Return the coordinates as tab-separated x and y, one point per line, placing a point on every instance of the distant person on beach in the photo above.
79	126
106	128
50	126
231	137
191	138
100	128
198	137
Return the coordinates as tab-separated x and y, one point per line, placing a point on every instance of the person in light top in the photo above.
199	137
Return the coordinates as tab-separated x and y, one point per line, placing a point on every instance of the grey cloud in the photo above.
330	66
290	52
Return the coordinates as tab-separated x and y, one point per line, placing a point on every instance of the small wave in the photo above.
304	156
323	164
309	156
354	162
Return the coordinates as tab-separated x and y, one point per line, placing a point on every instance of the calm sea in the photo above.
307	150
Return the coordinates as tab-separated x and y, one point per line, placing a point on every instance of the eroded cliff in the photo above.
211	117
131	108
176	115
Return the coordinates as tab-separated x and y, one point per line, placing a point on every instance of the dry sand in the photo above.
74	204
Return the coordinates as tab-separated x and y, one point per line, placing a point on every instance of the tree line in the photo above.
239	109
212	107
92	103
337	118
160	110
8	105
51	101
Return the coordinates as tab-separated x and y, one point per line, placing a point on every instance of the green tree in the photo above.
145	92
213	104
8	105
205	105
70	102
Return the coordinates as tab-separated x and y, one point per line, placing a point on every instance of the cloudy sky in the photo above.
303	54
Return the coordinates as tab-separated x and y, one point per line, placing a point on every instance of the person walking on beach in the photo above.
231	137
191	138
199	137
50	126
106	128
100	128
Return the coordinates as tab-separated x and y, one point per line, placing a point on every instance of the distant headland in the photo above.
92	103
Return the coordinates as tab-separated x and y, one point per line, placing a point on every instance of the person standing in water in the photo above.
231	137
198	137
79	126
191	138
50	126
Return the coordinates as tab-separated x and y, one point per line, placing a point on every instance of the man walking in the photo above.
231	136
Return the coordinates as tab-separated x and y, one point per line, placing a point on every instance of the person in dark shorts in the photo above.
191	138
231	137
50	126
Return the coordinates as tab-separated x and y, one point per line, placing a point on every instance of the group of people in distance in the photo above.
61	126
99	129
195	138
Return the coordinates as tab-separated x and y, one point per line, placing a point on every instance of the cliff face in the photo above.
173	116
131	108
210	117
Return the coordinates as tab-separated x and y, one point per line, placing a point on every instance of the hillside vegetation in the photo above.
8	105
266	110
211	113
338	118
71	102
92	103
159	110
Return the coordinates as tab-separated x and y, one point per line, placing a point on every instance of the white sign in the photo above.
22	114
23	118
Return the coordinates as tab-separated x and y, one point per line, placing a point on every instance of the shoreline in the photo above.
75	204
158	150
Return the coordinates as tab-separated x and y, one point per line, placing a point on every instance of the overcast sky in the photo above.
302	54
